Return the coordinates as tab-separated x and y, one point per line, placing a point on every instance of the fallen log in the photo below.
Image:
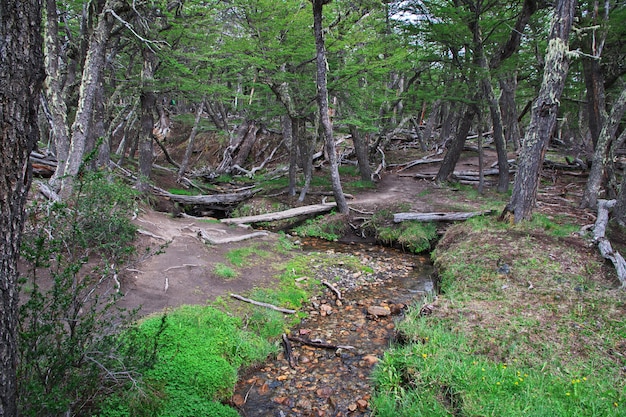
260	304
604	245
436	217
318	343
202	234
288	351
281	215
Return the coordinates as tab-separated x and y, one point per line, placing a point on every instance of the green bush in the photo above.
71	354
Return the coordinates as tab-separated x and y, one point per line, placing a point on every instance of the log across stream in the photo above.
323	381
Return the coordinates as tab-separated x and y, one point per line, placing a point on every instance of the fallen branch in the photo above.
258	303
333	289
288	351
434	217
318	343
220	241
604	245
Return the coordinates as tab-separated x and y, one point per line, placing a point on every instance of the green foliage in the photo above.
182	191
68	341
330	227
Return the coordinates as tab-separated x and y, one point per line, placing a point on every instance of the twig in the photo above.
258	303
333	288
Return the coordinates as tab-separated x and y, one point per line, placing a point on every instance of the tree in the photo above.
322	99
21	79
544	113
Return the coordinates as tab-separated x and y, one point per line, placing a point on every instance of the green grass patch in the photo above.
329	227
224	271
200	350
241	256
412	236
182	191
524	326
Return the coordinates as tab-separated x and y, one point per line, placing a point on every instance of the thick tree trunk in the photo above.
590	196
456	146
21	78
544	113
322	98
361	150
288	137
89	84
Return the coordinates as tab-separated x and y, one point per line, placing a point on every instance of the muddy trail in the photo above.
360	326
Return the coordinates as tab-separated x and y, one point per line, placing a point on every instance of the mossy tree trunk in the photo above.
543	114
322	99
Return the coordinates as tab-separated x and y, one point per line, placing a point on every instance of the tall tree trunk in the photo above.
456	146
192	138
148	104
361	150
322	99
21	78
89	84
289	138
590	196
544	113
593	44
56	99
494	110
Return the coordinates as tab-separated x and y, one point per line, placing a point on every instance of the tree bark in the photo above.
148	103
89	84
21	79
322	99
192	138
361	150
508	109
56	99
590	196
456	147
544	113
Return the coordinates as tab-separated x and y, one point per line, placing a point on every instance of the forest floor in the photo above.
183	270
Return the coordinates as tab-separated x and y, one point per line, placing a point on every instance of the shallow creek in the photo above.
336	382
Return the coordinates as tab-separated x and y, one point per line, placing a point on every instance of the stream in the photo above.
336	382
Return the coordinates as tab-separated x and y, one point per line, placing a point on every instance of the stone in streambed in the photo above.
378	311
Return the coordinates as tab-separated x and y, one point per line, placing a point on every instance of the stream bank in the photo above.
335	382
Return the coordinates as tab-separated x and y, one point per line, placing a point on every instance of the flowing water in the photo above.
336	381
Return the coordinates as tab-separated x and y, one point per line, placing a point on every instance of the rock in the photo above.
378	311
324	392
238	400
371	360
362	404
352	407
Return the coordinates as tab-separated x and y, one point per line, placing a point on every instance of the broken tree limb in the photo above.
318	343
604	245
220	241
260	304
434	217
333	289
281	215
288	351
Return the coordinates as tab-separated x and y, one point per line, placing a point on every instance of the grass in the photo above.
224	271
330	227
241	256
413	236
543	337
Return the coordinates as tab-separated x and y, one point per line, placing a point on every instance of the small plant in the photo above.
224	271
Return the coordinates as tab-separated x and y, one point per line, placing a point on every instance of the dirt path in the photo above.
183	270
